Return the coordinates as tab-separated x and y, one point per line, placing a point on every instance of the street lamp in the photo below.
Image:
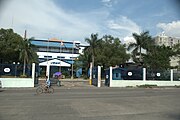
15	71
72	61
61	44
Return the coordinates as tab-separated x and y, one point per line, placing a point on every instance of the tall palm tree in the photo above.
27	53
83	62
142	41
93	44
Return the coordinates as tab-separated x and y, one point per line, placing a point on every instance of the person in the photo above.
48	82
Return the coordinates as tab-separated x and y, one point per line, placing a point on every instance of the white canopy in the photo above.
55	62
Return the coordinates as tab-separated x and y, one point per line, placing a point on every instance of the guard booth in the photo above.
96	76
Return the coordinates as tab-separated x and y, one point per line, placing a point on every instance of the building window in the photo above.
60	57
48	57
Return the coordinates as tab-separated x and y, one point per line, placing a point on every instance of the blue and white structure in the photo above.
57	55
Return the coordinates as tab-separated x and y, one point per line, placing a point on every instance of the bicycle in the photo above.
44	89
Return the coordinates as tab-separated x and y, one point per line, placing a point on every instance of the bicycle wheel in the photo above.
51	90
39	90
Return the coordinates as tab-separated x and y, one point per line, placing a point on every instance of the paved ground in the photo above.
81	103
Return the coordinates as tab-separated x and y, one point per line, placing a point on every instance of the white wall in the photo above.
134	83
17	82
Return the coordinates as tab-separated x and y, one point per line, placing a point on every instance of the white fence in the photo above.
125	83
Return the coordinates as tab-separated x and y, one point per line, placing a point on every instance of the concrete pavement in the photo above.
82	103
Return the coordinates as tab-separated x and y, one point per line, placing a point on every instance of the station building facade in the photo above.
59	55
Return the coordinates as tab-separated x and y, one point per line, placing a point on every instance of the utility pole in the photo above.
24	67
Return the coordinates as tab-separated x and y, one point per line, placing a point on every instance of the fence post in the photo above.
99	76
171	74
110	76
47	70
144	74
90	74
33	71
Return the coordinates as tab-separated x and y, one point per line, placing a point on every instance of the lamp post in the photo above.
61	44
72	61
15	71
14	63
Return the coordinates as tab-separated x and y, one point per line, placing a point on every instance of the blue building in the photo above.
58	54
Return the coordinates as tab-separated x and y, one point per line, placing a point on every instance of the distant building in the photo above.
162	39
59	54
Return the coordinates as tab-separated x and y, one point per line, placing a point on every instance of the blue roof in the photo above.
52	44
69	61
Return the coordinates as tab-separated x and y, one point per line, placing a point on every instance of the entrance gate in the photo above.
96	76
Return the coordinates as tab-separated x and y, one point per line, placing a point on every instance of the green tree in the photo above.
110	52
83	62
9	42
107	51
158	57
176	53
142	41
92	41
27	53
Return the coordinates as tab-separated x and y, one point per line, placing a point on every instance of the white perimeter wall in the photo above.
134	83
17	82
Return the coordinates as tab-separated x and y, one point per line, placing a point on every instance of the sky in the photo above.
77	19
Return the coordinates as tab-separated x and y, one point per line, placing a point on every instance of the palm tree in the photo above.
93	44
83	62
142	41
27	53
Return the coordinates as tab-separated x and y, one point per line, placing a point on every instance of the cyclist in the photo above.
48	82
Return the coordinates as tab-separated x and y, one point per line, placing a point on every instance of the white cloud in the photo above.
122	23
123	28
129	39
170	29
43	19
108	3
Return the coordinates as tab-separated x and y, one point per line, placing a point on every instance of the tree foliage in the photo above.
93	42
158	57
106	51
9	45
27	53
143	41
155	57
15	49
110	52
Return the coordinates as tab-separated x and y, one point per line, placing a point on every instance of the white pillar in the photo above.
144	74
99	76
33	72
171	74
110	77
47	70
90	74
